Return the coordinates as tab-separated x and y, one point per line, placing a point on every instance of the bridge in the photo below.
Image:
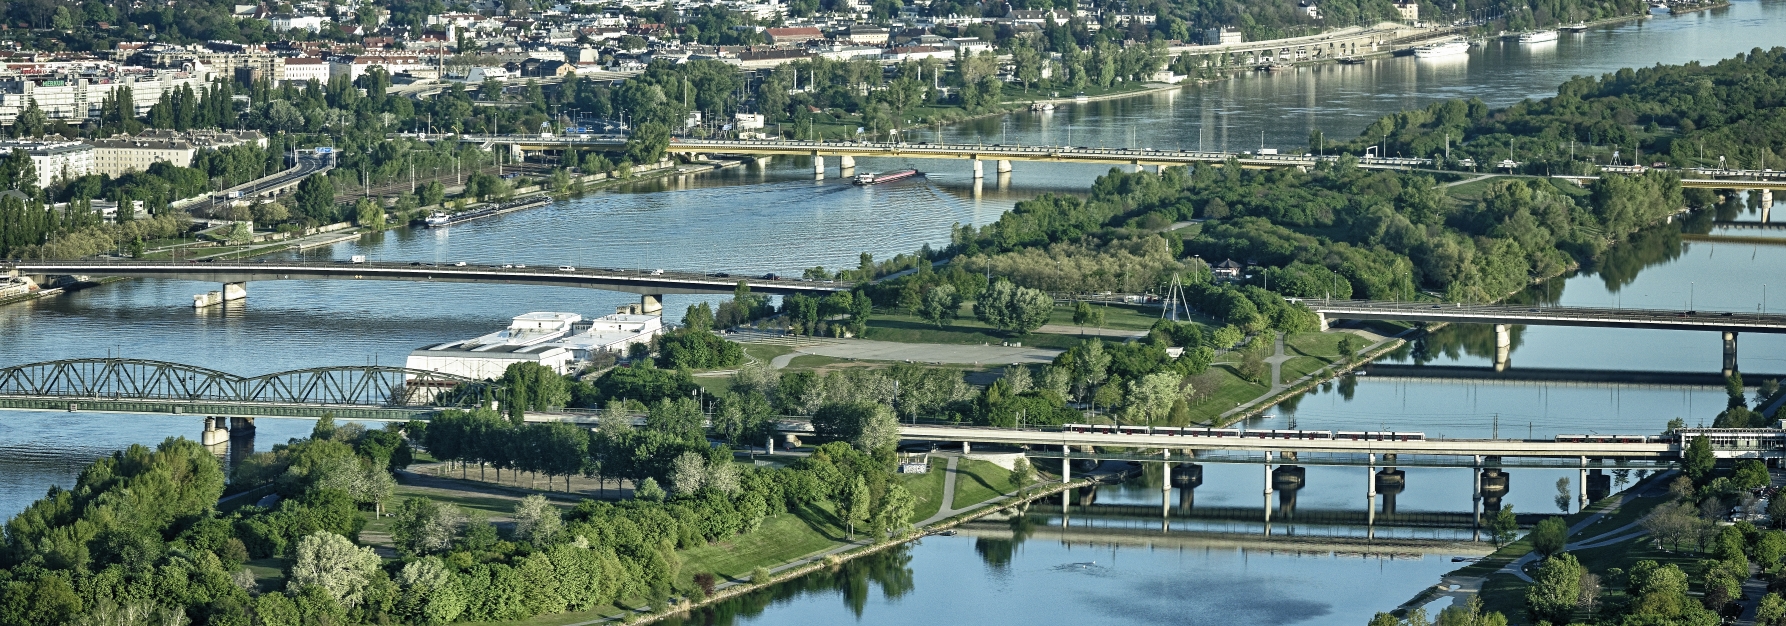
1004	155
1729	323
235	275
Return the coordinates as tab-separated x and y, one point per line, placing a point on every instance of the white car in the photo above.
459	264
566	268
657	272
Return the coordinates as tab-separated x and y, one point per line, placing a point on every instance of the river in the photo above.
777	218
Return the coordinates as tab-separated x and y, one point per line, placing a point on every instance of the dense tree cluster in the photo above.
1723	114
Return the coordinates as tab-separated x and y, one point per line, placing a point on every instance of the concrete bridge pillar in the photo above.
1767	203
1582	485
1322	317
1166	490
216	431
763	161
979	169
1729	353
769	445
1004	166
1503	346
235	291
651	304
241	426
1136	164
846	163
1370	497
818	165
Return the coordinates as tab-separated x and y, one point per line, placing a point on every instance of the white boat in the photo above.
1442	49
1538	36
438	219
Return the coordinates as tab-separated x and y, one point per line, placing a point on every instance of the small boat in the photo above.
1041	106
1578	27
438	219
1442	49
1081	97
1279	67
876	179
1350	60
1538	36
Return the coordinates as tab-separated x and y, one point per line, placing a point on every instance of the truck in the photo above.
359	258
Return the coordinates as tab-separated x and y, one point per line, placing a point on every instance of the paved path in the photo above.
1470	180
946	508
1069	329
1657	487
931	353
1277	360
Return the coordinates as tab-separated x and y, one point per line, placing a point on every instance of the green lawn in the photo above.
1119	316
928	489
1312	352
977	481
1224	388
782	538
269	573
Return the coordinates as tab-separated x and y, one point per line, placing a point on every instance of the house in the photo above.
301	69
1409	10
868	35
1227	269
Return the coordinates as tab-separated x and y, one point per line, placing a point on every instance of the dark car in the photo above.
771	276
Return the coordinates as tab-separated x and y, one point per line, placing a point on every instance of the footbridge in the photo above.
235	275
1728	323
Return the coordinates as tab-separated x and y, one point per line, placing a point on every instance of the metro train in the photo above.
1170	431
1611	439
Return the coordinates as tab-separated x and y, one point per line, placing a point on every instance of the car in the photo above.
1438	306
520	266
414	263
566	268
721	275
771	276
459	264
1531	310
657	272
508	267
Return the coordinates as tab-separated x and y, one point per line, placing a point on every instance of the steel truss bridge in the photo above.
118	385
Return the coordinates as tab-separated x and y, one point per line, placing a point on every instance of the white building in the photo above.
312	23
353	66
75	91
53	159
302	69
122	154
554	340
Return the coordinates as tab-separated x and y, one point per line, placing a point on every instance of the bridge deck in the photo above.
1551	316
633	281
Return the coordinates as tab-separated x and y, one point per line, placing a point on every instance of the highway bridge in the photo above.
1729	323
307	163
847	151
651	284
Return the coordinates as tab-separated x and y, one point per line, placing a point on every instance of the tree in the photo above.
1771	611
1750	474
940	305
369	214
1697	461
536	520
1084	314
647	143
855	503
1556	591
649	491
1151	397
316	198
430	592
335	564
423	526
688	473
869	426
1550	536
1504	525
1022	474
1017	310
1769	548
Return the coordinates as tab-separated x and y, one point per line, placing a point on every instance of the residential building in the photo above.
1409	10
355	66
1224	36
75	90
301	70
312	23
123	154
868	35
54	158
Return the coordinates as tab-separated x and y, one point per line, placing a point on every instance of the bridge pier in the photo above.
1729	353
1370	496
818	165
979	169
1767	203
231	291
1066	479
1581	486
216	431
651	304
845	164
1267	493
1004	166
1322	317
1503	346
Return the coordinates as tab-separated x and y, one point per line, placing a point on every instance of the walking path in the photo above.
1657	487
930	353
1278	358
1469	180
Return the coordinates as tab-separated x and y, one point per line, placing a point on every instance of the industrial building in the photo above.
555	340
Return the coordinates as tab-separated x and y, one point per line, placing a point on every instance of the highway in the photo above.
307	164
641	281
